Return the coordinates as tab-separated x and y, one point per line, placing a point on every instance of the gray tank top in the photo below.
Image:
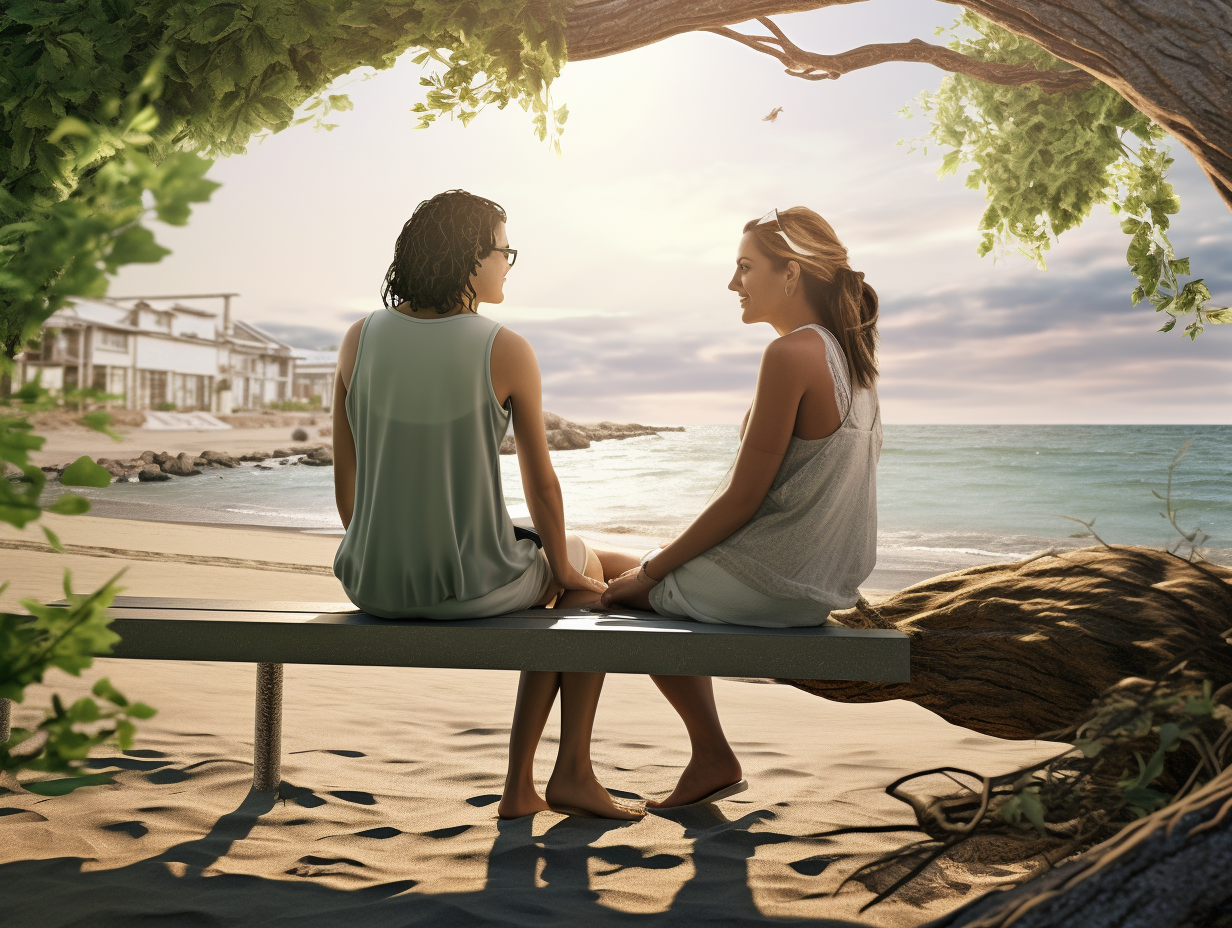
430	523
815	534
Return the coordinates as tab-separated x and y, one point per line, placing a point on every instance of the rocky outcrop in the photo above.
152	473
219	459
255	456
567	439
319	457
182	466
564	435
120	470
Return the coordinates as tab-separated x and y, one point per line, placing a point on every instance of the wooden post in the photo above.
267	746
6	709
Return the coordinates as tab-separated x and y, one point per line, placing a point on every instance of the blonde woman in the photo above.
793	532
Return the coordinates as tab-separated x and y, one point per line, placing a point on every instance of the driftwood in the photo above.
1172	869
1022	650
1099	647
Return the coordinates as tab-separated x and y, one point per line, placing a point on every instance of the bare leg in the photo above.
573	786
577	599
713	765
616	561
536	693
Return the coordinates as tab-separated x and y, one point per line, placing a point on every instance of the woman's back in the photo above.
430	524
814	536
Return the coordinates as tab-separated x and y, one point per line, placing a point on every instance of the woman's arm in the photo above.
766	433
344	439
515	375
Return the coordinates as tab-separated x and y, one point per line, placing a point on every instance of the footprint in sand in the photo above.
321	866
447	832
386	832
132	829
339	753
812	866
355	796
300	795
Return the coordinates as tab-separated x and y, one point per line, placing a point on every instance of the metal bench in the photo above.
271	634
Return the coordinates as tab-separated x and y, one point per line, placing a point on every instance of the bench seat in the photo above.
271	634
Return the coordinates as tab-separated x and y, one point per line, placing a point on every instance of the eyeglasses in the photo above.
511	254
773	216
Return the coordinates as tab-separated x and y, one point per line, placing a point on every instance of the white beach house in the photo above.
161	353
314	376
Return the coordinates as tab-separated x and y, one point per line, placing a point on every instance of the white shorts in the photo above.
702	590
522	593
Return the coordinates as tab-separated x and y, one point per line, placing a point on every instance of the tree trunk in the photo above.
1020	650
1170	59
1168	870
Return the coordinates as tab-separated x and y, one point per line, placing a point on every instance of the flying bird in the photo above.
772	115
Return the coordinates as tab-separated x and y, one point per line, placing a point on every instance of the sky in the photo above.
627	240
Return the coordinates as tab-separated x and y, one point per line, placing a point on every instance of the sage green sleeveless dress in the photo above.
430	536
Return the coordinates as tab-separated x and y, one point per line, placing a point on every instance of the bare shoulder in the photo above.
798	351
510	346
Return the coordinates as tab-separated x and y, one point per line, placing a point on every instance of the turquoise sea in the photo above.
947	495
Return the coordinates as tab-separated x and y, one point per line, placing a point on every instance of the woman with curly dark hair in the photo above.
424	393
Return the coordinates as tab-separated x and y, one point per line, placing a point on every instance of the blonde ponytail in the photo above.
846	305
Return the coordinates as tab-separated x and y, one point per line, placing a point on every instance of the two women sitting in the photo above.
424	394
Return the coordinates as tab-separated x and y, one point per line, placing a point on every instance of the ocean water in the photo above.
948	496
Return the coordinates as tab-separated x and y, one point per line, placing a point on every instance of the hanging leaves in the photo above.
1044	160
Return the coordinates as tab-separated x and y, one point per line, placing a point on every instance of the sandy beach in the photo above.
69	442
391	778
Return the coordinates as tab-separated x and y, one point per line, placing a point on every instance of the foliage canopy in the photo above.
105	98
1044	160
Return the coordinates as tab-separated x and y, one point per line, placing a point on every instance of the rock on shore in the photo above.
564	435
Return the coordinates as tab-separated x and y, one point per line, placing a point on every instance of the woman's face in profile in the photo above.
758	284
489	278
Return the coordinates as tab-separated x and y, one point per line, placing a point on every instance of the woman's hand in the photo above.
631	588
573	579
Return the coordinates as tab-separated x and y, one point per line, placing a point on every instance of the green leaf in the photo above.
140	710
70	504
52	539
104	690
66	785
85	473
100	421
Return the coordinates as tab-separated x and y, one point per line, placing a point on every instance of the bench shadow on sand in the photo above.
172	889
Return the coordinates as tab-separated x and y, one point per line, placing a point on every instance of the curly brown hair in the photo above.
438	250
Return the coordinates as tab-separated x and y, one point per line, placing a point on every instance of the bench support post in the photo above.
6	709
267	744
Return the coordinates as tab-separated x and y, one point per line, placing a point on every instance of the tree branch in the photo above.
1167	59
812	66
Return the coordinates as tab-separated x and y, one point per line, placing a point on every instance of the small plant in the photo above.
1194	539
164	407
51	636
299	435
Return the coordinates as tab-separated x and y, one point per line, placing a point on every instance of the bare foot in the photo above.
517	803
700	779
588	797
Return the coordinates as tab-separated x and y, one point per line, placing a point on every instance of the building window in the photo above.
116	340
282	368
100	378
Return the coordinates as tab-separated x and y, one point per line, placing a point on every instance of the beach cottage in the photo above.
314	376
159	353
